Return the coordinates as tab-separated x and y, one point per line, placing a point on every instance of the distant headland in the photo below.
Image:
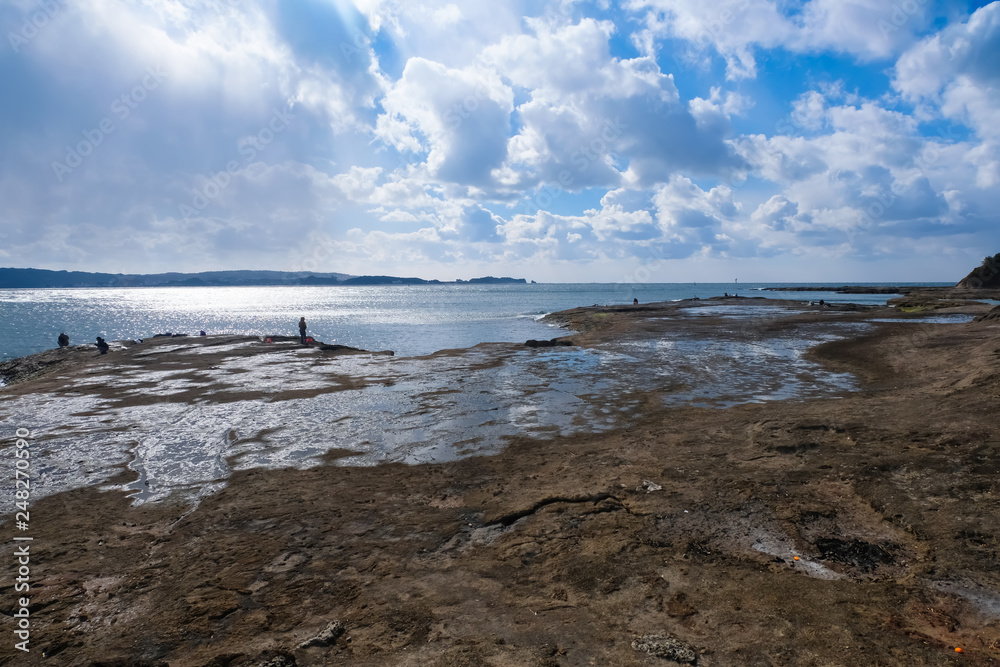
985	275
39	278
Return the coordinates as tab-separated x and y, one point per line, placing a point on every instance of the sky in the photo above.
559	141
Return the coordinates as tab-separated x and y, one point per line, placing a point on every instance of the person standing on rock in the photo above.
302	330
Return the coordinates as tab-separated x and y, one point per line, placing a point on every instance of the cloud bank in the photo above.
815	140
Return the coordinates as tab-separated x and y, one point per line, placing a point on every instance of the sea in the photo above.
410	320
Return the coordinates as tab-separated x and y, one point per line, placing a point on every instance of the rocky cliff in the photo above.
986	275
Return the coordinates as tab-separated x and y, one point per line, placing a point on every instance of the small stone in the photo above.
665	646
328	637
275	659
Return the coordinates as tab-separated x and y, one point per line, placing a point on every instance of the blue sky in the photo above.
564	141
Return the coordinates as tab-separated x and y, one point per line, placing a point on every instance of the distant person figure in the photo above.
822	304
63	340
203	333
102	345
302	330
726	294
635	301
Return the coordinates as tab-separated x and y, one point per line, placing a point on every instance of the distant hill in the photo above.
490	280
985	275
10	278
388	280
35	278
394	280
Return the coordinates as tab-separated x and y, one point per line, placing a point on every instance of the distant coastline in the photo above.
857	289
12	278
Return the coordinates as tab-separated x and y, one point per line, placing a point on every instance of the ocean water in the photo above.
410	320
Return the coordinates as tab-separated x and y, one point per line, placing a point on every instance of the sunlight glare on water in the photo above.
408	319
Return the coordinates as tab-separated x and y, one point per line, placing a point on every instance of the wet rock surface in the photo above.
37	365
928	302
863	555
182	414
554	342
857	529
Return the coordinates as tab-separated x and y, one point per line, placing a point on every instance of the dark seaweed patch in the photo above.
864	555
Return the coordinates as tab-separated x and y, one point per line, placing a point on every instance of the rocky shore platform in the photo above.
959	291
856	527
